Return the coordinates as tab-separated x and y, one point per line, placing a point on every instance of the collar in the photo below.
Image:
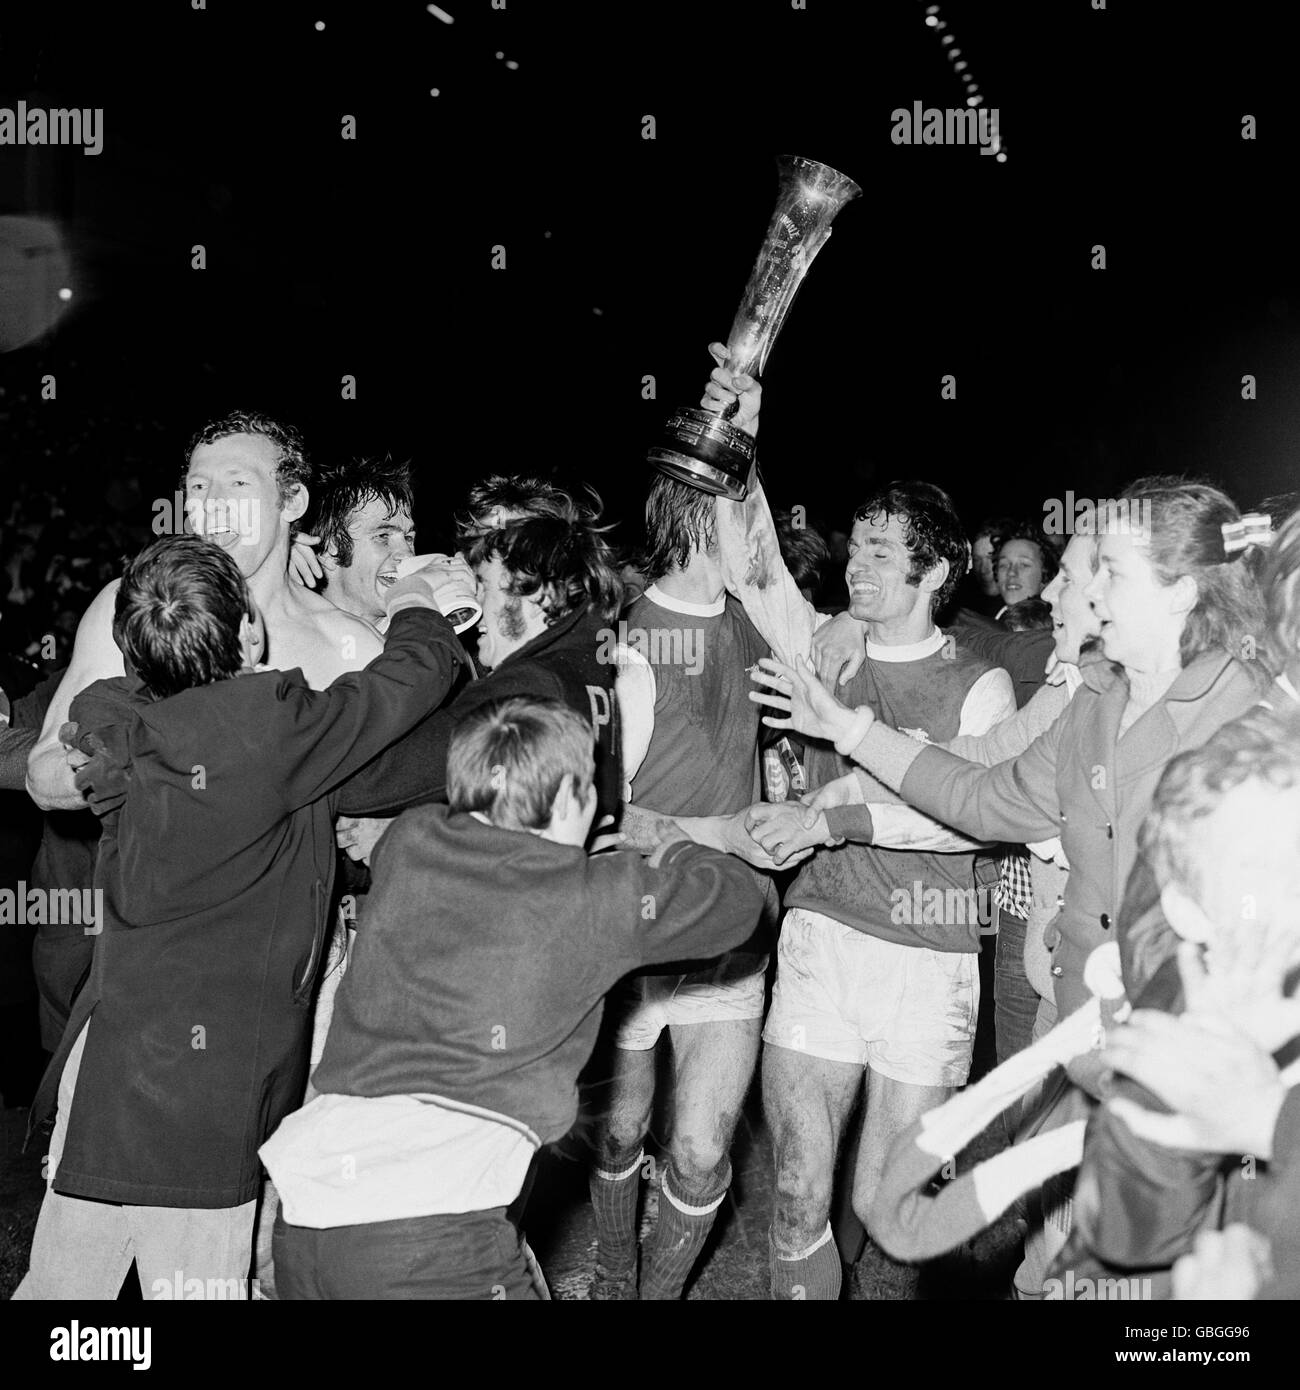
548	636
1191	683
912	651
680	605
1289	688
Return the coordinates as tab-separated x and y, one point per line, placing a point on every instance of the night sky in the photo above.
625	256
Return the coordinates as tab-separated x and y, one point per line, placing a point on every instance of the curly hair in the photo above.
1262	746
520	498
1186	517
293	469
563	564
932	531
347	487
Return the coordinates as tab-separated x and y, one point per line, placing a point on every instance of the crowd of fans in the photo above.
72	509
1095	737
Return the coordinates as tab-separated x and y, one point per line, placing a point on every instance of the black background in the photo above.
373	257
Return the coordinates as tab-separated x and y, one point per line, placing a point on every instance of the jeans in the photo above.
474	1255
1015	1001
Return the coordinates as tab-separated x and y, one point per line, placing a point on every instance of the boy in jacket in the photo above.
217	787
470	1007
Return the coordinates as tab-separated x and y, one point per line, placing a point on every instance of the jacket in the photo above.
480	976
216	864
563	663
1080	782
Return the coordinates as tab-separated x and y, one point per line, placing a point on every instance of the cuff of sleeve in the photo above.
863	718
888	755
851	823
418	603
1286	1132
669	850
415	596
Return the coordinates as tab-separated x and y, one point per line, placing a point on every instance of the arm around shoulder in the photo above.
95	656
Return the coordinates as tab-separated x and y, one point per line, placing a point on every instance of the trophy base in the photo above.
706	452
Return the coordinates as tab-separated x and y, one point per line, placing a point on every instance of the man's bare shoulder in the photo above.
96	656
321	639
337	624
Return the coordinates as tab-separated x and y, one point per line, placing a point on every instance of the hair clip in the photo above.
1254	528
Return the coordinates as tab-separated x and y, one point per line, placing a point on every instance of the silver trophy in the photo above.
704	449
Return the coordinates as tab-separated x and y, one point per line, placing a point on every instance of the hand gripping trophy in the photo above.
706	450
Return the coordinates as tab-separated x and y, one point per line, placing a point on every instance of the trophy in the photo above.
704	449
460	607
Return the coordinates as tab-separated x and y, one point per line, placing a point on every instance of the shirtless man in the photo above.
245	486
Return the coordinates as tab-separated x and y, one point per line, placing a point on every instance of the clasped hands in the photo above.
784	828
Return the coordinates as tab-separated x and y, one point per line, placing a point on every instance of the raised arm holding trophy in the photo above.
699	447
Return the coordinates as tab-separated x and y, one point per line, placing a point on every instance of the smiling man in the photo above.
867	998
363	522
246	484
547	587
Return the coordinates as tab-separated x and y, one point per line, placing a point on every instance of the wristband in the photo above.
410	587
863	718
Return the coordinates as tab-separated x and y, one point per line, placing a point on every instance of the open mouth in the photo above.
386	581
863	590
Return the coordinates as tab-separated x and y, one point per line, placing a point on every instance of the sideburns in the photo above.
510	621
